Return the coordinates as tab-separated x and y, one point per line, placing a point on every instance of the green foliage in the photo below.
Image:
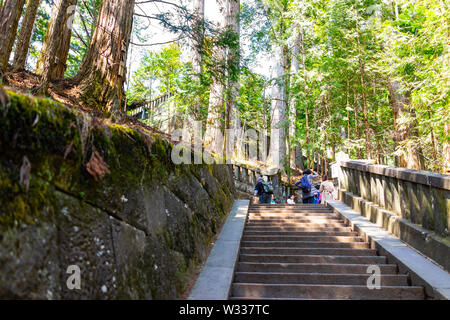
252	105
351	47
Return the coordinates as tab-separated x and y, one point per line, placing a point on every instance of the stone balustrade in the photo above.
419	196
413	205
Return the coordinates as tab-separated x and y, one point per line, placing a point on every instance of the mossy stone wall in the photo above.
136	233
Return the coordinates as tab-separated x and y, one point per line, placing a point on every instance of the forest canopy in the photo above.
367	77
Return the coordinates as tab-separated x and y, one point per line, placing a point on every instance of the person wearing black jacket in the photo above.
264	197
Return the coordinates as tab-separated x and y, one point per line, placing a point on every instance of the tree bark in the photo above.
62	40
446	150
103	71
277	150
293	103
303	51
50	53
198	36
26	30
213	139
233	56
9	19
64	46
195	48
411	157
197	45
365	111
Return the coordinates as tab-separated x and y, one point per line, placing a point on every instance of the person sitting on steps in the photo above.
291	199
273	199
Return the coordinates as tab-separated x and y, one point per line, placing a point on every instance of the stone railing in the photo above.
245	181
418	196
150	105
414	205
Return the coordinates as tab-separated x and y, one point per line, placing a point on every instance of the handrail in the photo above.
150	104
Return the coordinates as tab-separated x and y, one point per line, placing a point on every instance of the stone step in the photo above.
283	205
293	209
313	267
284	211
296	220
308	291
305	244
295	229
290	215
309	251
280	258
317	278
316	224
301	233
301	238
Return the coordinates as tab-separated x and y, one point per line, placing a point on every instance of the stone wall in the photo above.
104	197
413	205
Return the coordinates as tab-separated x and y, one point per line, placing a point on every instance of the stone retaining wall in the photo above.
103	197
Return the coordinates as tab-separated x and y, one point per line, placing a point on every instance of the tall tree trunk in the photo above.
293	103
213	138
446	150
299	157
64	45
9	19
26	30
357	132
195	47
103	71
277	150
365	111
64	32
305	88
233	118
378	120
433	141
50	54
412	156
213	132
348	115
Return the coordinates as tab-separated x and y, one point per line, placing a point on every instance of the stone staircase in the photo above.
307	252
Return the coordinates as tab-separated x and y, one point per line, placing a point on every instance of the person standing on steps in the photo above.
263	190
327	189
309	191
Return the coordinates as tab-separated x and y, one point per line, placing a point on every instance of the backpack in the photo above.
267	187
305	185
